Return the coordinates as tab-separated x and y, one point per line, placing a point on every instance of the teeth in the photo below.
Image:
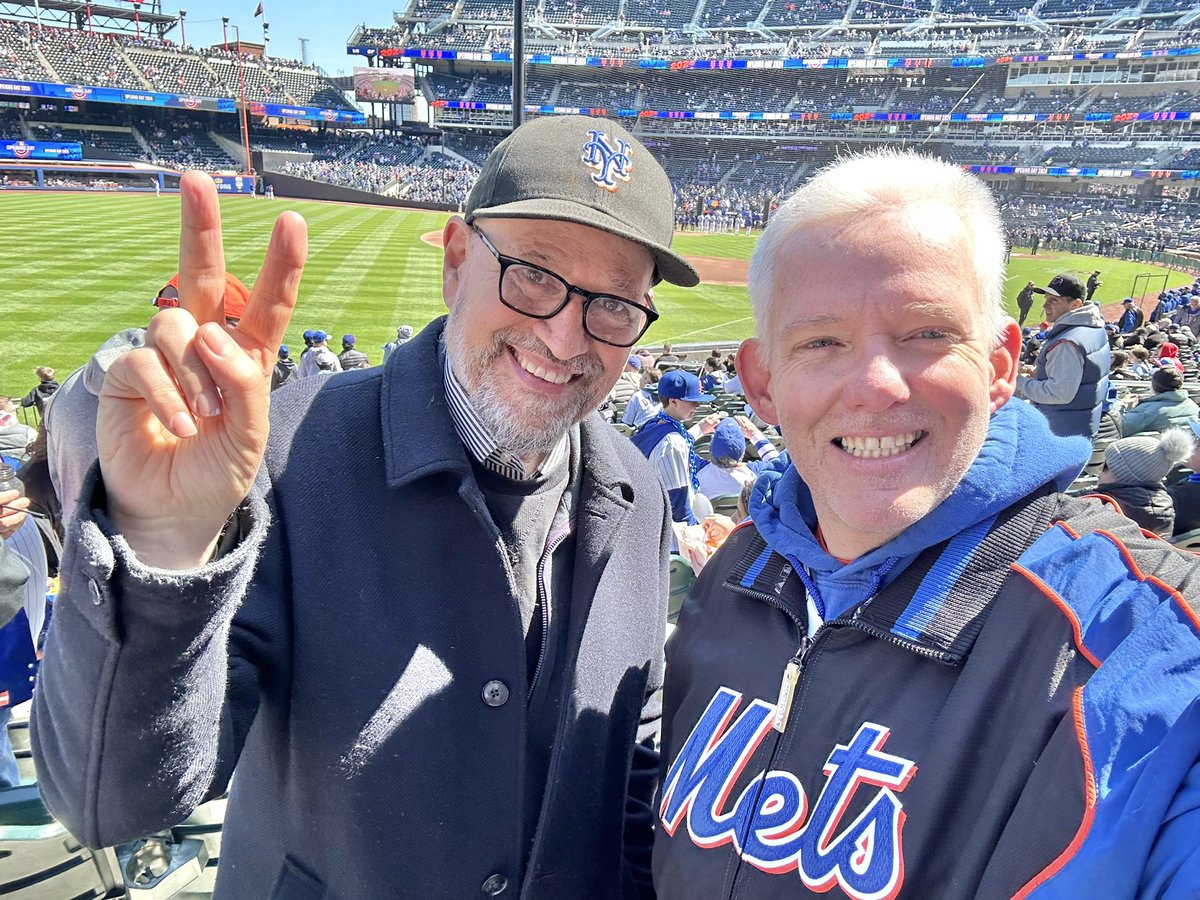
534	369
879	447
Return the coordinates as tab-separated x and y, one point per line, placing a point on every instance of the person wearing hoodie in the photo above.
920	670
1168	405
70	420
1134	472
1069	381
41	394
285	368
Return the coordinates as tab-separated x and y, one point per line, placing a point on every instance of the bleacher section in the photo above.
18	59
102	59
177	73
77	57
575	12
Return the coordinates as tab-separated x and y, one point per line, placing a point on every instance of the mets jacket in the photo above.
1015	713
369	681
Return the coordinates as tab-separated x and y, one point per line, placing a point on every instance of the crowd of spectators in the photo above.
105	59
1102	223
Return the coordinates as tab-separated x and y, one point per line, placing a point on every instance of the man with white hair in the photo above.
922	671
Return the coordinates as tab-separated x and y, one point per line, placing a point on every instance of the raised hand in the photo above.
182	425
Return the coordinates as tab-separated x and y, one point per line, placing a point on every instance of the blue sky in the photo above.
326	25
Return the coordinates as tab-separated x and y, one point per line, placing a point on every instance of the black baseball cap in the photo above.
1063	286
585	170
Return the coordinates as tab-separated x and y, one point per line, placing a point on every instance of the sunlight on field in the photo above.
88	266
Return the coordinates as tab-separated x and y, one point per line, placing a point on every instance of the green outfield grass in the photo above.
76	268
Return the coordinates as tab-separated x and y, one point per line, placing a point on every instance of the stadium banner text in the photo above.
176	101
765	116
114	95
234	184
67	150
895	62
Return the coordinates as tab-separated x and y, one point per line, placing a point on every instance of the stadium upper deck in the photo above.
683	29
81	59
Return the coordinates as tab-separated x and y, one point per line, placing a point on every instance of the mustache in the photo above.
584	364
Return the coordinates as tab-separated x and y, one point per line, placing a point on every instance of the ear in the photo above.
456	237
755	376
1005	361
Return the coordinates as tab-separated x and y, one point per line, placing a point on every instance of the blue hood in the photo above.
1019	455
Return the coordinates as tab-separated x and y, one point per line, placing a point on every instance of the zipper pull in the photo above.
787	687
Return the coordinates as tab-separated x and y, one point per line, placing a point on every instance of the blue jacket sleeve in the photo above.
681	509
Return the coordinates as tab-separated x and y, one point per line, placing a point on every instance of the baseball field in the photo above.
76	268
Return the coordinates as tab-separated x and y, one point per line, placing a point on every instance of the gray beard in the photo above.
528	425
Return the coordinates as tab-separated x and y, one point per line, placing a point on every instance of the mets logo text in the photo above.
770	824
611	163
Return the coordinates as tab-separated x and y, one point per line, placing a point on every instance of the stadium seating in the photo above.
589	12
77	57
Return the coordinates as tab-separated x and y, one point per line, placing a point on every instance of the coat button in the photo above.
495	693
495	884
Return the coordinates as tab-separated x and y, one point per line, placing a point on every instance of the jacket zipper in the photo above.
787	686
856	621
543	596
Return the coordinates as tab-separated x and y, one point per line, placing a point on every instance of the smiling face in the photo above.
532	379
880	367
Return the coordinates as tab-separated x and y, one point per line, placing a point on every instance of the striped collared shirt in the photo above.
479	441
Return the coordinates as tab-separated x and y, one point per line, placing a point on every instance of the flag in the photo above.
258	12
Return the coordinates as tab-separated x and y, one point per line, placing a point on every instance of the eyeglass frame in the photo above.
507	262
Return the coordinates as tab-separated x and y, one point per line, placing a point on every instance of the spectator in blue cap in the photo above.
285	369
308	345
318	358
728	474
351	358
671	446
1131	316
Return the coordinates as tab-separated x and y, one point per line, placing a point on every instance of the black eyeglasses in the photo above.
541	294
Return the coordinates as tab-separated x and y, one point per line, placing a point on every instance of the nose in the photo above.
563	334
879	384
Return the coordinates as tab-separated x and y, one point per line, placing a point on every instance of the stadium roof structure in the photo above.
122	16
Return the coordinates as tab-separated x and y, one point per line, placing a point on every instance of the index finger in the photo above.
273	298
201	254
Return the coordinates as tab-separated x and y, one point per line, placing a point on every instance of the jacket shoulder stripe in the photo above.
1089	812
941	578
755	569
1063	607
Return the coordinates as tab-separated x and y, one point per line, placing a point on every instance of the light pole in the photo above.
225	32
243	118
182	28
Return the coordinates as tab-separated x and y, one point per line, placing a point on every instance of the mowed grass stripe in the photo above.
77	268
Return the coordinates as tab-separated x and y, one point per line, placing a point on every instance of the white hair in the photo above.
887	179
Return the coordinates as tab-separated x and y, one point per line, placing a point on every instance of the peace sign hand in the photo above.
183	421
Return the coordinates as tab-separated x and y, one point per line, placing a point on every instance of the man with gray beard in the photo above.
449	693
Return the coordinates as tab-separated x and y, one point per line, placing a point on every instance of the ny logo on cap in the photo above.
611	163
